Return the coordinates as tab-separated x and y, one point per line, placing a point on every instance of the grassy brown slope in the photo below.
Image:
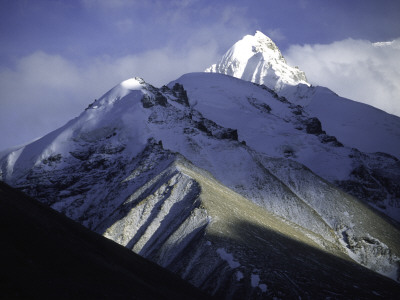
286	257
44	254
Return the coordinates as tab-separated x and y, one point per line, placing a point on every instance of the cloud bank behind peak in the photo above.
356	69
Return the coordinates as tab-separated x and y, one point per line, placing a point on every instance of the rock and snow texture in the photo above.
225	183
272	125
118	169
256	58
353	124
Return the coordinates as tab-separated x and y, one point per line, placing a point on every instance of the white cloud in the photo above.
44	91
355	69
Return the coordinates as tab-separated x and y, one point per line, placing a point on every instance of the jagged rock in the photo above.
202	127
160	99
181	94
325	139
157	99
228	133
52	159
313	126
259	105
147	101
173	183
298	110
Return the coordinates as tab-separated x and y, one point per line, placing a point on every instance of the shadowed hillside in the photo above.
46	255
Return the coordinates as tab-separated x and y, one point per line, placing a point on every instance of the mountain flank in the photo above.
47	255
247	190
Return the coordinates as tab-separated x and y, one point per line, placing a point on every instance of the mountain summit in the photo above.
256	58
233	187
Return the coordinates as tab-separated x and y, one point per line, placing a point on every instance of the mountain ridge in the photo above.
192	174
256	58
57	257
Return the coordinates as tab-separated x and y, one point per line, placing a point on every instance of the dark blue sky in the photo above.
82	29
57	56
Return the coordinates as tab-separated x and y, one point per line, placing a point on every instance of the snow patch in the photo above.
132	83
263	287
239	275
11	159
228	257
255	282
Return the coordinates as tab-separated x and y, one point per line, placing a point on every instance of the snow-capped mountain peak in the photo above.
209	172
265	45
256	58
120	91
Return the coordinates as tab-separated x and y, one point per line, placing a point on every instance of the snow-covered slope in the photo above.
256	58
278	128
356	124
171	170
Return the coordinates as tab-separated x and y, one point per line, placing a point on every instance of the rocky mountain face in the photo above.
353	124
237	189
48	256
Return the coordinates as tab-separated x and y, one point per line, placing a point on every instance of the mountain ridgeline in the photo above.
247	190
48	256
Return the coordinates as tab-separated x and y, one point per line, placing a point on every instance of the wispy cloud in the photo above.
44	91
156	40
356	69
276	34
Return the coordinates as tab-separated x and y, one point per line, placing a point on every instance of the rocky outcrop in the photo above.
170	180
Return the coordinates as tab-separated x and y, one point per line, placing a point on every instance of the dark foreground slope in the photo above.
46	255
